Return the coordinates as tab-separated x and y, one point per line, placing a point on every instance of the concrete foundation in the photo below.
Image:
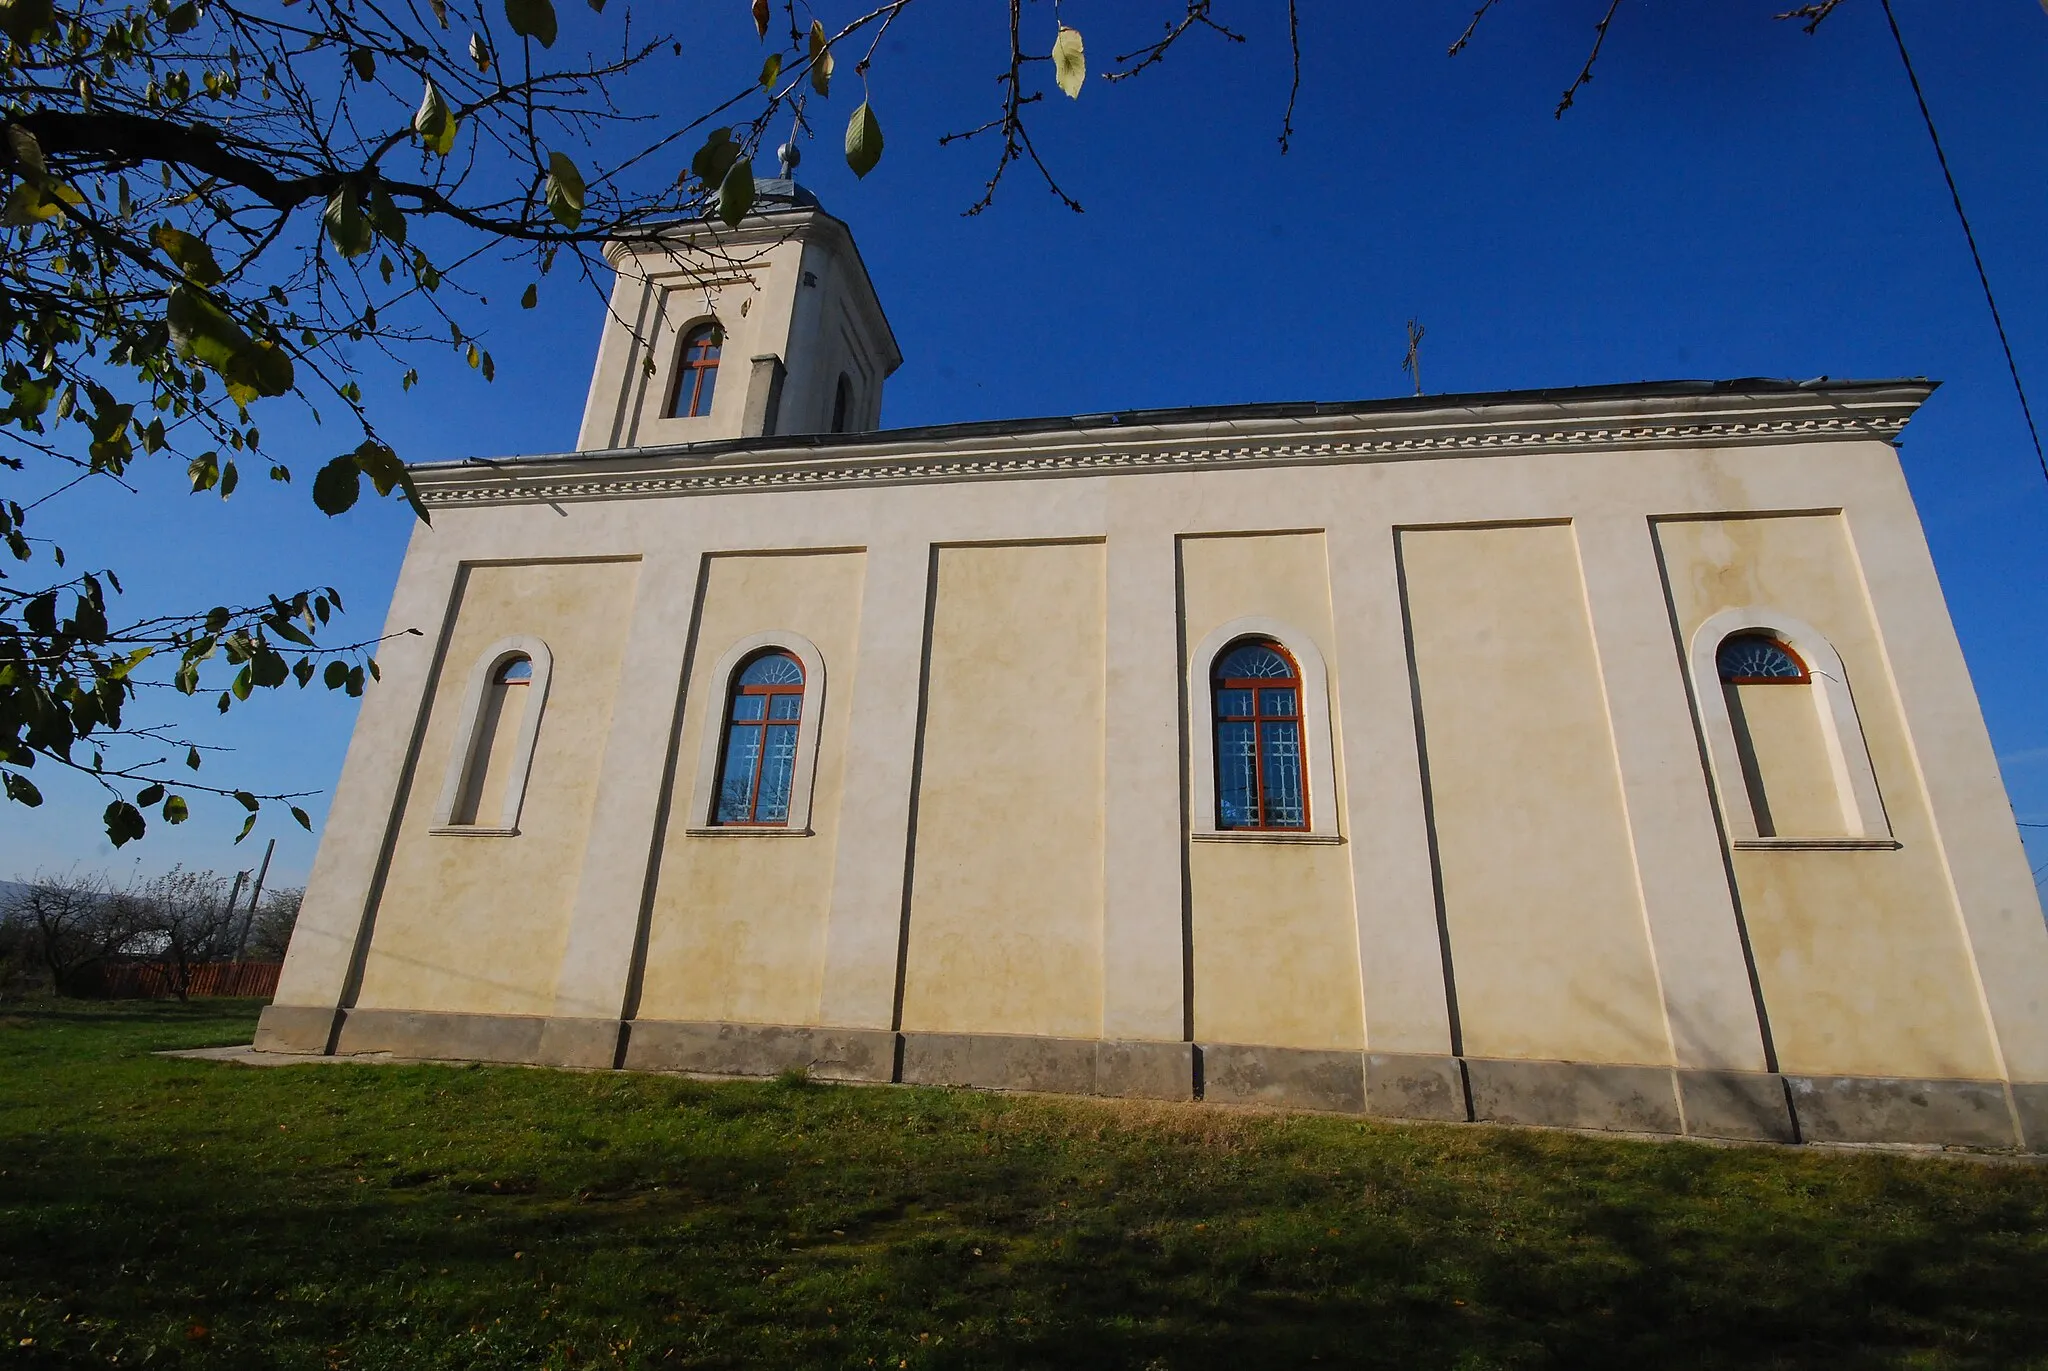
731	1049
1865	1109
1634	1099
1740	1105
1293	1077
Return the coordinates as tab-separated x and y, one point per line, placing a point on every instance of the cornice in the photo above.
1113	448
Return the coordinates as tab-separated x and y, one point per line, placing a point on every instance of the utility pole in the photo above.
249	919
1412	363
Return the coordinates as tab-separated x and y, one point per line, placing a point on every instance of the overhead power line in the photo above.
1983	276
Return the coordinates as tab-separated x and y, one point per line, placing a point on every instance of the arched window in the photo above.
762	718
492	751
697	371
842	404
1258	714
1757	659
1788	754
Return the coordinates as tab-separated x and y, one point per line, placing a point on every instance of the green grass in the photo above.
194	1214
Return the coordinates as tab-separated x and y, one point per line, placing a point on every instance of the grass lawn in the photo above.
202	1215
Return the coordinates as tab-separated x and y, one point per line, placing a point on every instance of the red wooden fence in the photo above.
153	980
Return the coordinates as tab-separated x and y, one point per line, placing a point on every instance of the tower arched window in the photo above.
763	716
842	405
1260	775
697	371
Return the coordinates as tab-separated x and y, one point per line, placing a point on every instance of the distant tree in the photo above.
184	920
68	925
270	932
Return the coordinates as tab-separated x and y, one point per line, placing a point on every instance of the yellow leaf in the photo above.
1070	62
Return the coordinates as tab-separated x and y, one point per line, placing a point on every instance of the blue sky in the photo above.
1729	198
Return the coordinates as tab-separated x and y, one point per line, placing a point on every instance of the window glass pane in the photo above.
1752	656
778	765
746	707
707	382
519	670
1234	703
1273	702
1280	755
736	787
1237	796
785	706
1252	659
777	668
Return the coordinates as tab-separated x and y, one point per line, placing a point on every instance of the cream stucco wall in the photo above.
1275	940
1546	930
478	923
736	930
1014	842
1005	932
1860	954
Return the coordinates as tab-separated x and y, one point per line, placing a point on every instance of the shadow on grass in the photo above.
423	1216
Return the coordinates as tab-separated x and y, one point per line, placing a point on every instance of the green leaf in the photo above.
124	822
347	226
565	191
532	19
365	63
530	298
434	122
247	824
191	253
183	19
736	192
1069	62
229	479
863	140
192	758
336	675
26	20
149	794
202	330
244	682
337	485
300	814
246	800
390	225
772	68
387	473
21	790
175	810
716	157
204	471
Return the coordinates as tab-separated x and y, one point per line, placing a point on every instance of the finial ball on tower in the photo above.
788	155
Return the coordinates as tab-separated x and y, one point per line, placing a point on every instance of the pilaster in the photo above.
1695	936
625	824
364	815
864	931
1143	952
1400	949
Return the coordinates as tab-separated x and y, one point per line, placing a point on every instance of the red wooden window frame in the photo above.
696	371
1805	676
1256	684
760	726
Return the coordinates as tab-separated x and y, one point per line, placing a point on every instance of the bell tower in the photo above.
717	333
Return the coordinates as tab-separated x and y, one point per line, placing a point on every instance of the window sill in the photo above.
747	831
1818	844
471	831
1264	835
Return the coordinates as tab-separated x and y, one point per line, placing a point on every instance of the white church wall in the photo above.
736	930
1664	978
1842	937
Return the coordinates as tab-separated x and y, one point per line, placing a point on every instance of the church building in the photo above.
1597	757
